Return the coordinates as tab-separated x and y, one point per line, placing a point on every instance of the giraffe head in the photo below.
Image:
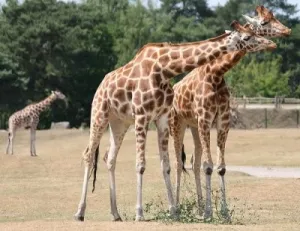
243	38
59	95
265	24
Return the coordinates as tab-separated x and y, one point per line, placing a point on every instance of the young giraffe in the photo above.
28	117
200	98
140	92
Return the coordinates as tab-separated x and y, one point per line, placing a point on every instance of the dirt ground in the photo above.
42	193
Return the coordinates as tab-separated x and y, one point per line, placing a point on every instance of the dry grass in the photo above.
43	192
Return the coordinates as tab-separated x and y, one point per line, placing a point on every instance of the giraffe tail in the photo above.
183	158
95	167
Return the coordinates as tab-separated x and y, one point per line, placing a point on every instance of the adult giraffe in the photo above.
28	117
202	97
140	92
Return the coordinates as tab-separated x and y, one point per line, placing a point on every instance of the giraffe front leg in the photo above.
32	141
117	132
141	128
204	134
163	140
223	124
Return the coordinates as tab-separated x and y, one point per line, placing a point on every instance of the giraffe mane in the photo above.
170	44
243	29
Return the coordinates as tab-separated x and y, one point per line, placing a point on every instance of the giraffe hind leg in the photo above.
96	131
178	129
163	140
196	167
8	143
117	132
9	148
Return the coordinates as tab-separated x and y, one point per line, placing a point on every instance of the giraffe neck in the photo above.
220	66
173	59
44	104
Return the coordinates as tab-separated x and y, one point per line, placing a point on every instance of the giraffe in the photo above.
200	99
28	117
140	92
266	24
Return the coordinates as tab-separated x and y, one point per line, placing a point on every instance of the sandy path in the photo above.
268	172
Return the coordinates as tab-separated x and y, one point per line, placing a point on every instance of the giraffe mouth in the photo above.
287	33
271	47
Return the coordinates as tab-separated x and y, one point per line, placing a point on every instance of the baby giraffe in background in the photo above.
141	92
202	97
29	118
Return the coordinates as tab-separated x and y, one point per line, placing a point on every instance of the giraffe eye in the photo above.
246	38
263	23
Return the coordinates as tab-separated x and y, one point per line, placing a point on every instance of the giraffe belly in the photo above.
123	112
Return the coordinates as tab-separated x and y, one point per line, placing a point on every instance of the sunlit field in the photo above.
42	193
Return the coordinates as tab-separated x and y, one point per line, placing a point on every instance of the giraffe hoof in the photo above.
139	218
118	219
207	217
78	218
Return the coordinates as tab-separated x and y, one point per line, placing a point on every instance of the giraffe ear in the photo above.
52	92
235	25
228	31
259	10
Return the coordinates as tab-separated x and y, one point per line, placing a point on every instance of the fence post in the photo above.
266	118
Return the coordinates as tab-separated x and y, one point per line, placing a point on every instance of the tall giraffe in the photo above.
200	98
266	24
28	117
140	92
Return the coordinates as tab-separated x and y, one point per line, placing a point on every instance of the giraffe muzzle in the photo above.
271	46
287	32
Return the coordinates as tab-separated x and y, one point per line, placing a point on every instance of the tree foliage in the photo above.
50	44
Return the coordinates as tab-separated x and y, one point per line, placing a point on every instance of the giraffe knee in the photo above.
208	168
222	171
208	171
140	168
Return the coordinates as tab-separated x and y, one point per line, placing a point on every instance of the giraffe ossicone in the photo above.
28	117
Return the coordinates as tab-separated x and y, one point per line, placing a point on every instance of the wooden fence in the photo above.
266	118
277	102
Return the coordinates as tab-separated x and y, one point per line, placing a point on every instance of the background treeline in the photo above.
49	44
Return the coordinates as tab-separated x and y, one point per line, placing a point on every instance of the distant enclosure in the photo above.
260	112
252	113
262	102
266	118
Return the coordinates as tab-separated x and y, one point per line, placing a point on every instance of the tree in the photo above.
58	45
256	78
